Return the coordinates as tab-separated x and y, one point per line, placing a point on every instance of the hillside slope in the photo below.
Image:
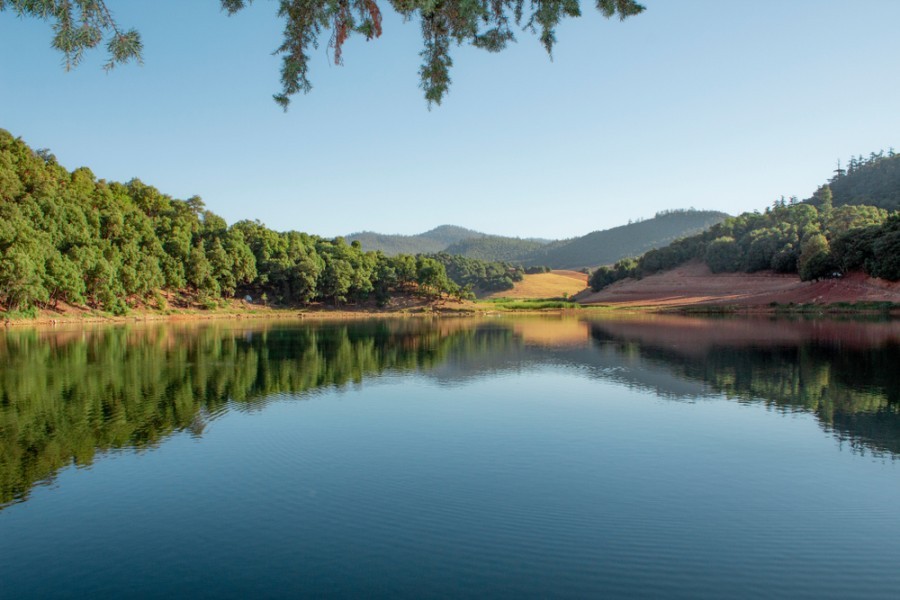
493	247
555	284
608	246
694	284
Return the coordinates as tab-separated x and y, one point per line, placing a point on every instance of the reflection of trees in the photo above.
854	392
64	396
62	399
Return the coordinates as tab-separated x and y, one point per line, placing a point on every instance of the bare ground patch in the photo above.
555	284
694	284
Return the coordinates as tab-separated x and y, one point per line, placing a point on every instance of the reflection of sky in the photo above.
536	483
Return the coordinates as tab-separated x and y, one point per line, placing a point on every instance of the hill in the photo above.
430	242
827	236
595	248
495	247
608	246
694	284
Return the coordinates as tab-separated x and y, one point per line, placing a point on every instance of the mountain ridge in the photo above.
595	248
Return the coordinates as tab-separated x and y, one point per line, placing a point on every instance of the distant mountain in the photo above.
608	246
430	242
591	250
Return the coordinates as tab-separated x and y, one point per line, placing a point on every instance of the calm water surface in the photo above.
538	457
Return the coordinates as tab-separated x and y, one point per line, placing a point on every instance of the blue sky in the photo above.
710	104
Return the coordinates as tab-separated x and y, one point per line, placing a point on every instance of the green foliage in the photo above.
872	180
772	240
482	275
496	248
723	255
506	304
886	257
604	276
538	269
815	259
67	237
80	25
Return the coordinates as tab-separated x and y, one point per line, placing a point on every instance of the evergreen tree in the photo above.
80	25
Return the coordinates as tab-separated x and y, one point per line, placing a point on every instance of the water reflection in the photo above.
67	395
844	372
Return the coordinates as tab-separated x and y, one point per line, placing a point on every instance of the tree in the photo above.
81	25
886	263
815	258
723	255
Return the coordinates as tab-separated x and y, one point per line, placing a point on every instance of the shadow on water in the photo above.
67	395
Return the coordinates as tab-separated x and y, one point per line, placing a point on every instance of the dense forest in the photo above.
817	238
873	181
69	237
496	247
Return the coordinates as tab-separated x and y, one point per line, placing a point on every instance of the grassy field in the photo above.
555	284
525	304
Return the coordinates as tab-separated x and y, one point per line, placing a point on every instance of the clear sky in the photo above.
706	103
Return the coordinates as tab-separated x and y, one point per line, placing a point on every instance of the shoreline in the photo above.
468	311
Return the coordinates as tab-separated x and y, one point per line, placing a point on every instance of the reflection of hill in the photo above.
844	373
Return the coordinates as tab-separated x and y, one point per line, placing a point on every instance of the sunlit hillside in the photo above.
555	284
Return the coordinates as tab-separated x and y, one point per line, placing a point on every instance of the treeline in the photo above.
481	275
68	237
872	180
812	239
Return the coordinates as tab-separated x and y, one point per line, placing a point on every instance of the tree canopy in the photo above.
814	242
81	25
70	237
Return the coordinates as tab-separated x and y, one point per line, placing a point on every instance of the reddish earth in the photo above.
694	284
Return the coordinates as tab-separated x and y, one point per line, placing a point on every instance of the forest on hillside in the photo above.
872	181
69	237
816	238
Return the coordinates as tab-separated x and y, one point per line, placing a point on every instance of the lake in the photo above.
654	456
